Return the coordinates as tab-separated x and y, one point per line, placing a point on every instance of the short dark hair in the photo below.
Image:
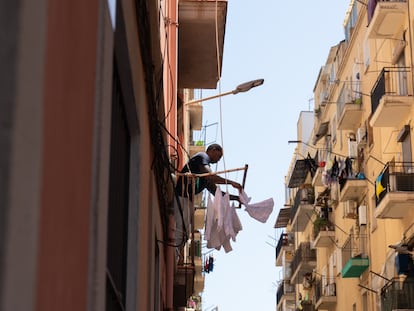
214	147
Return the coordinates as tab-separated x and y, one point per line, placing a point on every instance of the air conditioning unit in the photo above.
350	209
362	215
361	136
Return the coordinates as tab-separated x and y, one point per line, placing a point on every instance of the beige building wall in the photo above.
376	140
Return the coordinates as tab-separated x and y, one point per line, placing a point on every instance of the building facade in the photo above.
347	226
93	127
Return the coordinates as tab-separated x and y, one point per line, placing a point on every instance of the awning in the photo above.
321	132
283	218
300	171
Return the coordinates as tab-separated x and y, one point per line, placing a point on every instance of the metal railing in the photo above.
284	288
398	294
391	81
395	177
303	254
285	239
303	196
354	246
324	287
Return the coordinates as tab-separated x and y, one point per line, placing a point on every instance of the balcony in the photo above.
307	306
354	255
302	209
304	261
300	172
284	248
196	147
183	284
325	295
350	115
197	52
285	293
385	18
352	189
323	233
398	295
394	189
391	98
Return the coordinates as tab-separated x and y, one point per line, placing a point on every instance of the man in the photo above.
199	164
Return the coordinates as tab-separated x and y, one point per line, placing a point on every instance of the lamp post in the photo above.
244	87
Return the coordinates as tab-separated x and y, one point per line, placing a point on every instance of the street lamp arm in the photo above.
244	87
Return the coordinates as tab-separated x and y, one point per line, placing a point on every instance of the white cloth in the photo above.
259	211
222	222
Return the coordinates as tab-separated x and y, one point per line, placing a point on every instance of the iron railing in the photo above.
304	254
391	81
303	196
395	177
324	287
284	288
285	239
398	294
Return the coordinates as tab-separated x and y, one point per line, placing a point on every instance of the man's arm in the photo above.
213	180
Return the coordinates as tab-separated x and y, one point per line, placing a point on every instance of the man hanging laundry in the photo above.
199	164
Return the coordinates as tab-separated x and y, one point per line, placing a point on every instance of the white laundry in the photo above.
222	222
260	210
209	218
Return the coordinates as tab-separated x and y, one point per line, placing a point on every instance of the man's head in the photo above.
215	152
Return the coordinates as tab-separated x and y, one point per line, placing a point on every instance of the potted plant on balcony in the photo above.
320	223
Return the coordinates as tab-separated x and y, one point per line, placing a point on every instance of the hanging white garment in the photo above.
259	211
209	218
222	222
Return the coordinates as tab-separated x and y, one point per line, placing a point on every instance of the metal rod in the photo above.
212	173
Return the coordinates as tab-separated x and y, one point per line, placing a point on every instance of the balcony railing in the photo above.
385	17
302	209
323	233
285	291
349	106
285	243
304	261
354	256
391	98
325	294
398	294
394	189
352	189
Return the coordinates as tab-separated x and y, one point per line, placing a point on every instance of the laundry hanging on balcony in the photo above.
222	223
260	210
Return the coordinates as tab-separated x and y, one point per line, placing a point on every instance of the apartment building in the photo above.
93	126
347	228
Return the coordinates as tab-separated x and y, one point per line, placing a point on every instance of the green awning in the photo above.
355	267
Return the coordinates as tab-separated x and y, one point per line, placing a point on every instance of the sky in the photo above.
285	43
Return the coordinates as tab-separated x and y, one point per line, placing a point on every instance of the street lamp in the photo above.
244	87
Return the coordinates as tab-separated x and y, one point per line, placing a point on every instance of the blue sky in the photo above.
286	43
